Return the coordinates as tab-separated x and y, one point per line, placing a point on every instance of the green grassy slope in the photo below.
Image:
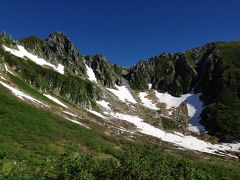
36	144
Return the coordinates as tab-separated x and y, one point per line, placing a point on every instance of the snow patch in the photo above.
146	102
90	73
149	86
21	94
77	122
96	113
123	94
55	100
60	68
194	107
104	104
187	142
170	100
2	78
71	114
8	69
23	53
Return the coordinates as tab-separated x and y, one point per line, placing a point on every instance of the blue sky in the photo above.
125	31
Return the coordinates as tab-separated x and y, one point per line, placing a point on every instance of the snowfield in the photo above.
23	53
22	95
55	100
170	100
146	102
194	107
178	139
123	94
90	73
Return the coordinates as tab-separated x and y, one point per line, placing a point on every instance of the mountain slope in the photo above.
158	101
38	144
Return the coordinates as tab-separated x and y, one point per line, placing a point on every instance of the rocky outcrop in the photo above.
56	49
106	72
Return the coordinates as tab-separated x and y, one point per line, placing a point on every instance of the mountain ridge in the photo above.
191	71
67	115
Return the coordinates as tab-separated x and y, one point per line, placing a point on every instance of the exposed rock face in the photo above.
56	49
213	70
175	73
106	72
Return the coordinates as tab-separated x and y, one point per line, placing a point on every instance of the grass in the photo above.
26	129
170	124
31	138
28	89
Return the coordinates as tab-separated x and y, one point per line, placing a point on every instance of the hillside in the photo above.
68	115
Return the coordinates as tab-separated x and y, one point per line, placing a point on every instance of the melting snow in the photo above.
187	142
146	102
21	94
123	94
55	100
71	114
77	122
22	53
2	78
170	100
104	104
96	113
8	69
194	107
90	73
149	86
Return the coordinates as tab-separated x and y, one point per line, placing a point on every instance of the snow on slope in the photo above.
21	94
8	69
90	73
104	104
96	114
170	100
2	78
71	114
146	102
22	53
77	122
55	100
149	86
187	142
123	94
194	106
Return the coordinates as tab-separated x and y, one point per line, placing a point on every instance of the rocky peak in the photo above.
3	34
6	39
58	37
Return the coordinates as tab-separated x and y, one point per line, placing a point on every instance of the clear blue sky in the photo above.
125	31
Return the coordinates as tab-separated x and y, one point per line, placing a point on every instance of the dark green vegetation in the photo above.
213	69
221	91
36	144
72	88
